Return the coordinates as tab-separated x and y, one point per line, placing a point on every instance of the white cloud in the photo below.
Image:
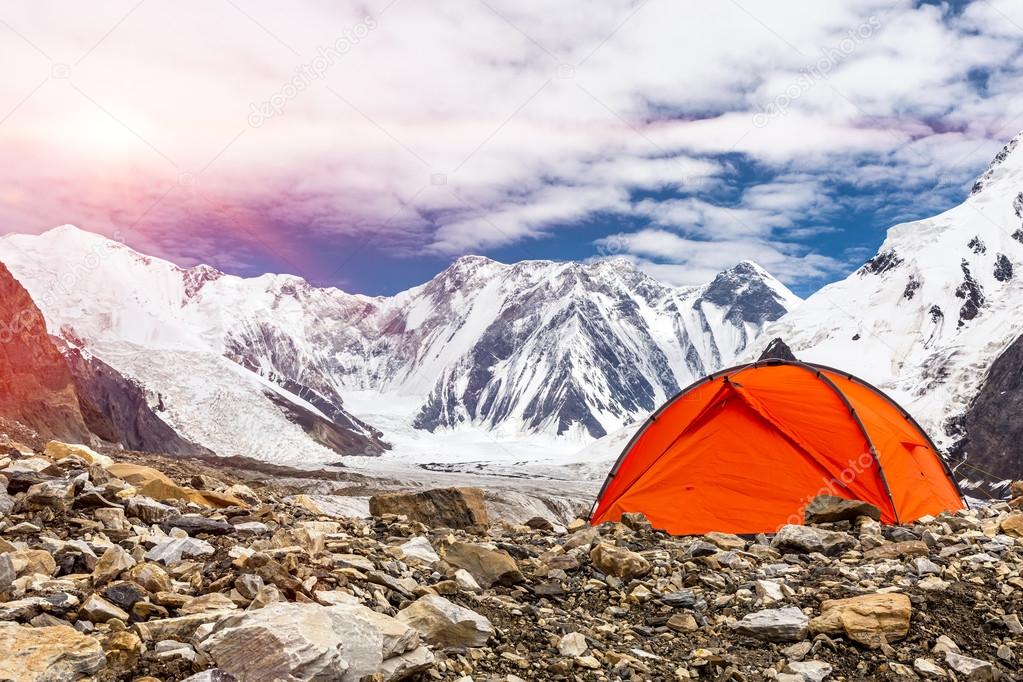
458	125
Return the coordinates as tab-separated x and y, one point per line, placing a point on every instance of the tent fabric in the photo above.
746	449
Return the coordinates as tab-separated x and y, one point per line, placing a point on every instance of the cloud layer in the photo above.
699	133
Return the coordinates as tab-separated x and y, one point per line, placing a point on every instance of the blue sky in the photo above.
366	145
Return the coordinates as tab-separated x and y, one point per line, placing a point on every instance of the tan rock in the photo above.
150	576
123	649
157	485
99	610
725	541
487	566
57	450
47	653
32	561
1013	524
111	564
444	623
866	618
618	561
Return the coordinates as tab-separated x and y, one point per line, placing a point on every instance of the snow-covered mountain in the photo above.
259	366
928	316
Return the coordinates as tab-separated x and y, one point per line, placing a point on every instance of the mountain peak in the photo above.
1007	162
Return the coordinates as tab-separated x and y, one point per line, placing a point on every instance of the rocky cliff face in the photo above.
36	387
121	404
990	431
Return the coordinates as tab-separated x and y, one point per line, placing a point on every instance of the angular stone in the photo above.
866	618
285	641
442	623
195	525
172	551
31	561
57	494
181	628
99	610
420	549
807	539
47	654
57	450
831	509
725	541
788	624
809	671
149	510
125	593
573	644
112	518
111	564
487	566
150	576
636	521
970	669
618	561
1012	525
928	669
441	507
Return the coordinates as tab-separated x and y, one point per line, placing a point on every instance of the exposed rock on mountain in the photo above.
258	366
36	387
777	350
990	430
122	404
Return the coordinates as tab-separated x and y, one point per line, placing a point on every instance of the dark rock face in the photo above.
1003	268
977	246
1000	157
36	387
777	350
745	294
881	263
328	433
991	429
972	294
122	412
911	288
438	508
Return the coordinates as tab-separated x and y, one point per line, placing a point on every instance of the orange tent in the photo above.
746	449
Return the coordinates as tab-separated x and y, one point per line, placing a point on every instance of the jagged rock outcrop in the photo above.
777	350
122	404
991	430
36	387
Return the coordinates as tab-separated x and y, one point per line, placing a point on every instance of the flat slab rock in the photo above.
788	624
295	641
47	654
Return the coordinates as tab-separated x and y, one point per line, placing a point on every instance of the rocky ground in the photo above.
117	568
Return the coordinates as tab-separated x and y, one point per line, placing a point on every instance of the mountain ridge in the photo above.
465	345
